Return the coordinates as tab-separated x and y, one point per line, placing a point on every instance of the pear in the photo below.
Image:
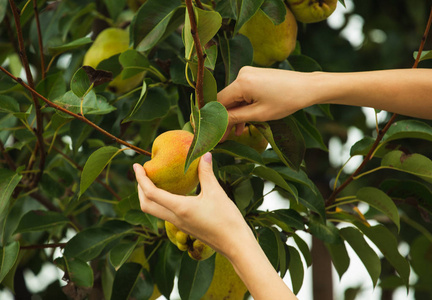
312	11
251	137
226	284
110	42
196	249
270	42
166	167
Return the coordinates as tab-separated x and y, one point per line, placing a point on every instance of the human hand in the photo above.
210	217
261	94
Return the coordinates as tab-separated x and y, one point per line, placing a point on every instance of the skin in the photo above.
260	94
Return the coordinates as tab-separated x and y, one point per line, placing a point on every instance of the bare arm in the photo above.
214	219
260	94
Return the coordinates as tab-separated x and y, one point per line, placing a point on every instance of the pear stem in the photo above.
382	132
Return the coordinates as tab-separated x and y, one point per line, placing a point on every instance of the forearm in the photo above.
257	273
404	91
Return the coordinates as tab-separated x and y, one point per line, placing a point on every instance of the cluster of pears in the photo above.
110	42
273	43
166	170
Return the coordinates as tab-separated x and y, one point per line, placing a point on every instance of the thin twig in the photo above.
200	73
199	4
76	116
39	120
35	8
382	132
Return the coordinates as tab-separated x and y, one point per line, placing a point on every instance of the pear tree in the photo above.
86	89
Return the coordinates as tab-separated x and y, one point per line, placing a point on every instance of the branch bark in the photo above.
77	116
382	132
199	85
42	59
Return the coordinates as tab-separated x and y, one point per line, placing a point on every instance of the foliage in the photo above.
66	157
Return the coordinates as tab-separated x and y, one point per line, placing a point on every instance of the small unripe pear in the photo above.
166	167
251	137
312	11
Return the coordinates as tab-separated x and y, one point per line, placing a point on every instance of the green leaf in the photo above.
89	243
208	24
303	63
409	129
53	86
239	150
296	269
421	260
379	200
339	256
8	257
125	280
137	217
289	217
368	257
55	51
268	242
151	21
285	139
41	220
195	277
210	122
237	52
121	252
247	9
8	104
273	176
275	10
80	83
154	104
168	260
311	134
115	7
415	164
294	176
243	194
133	63
8	182
209	83
95	164
92	105
388	245
304	248
326	232
79	272
424	55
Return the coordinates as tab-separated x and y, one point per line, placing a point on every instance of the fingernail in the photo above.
135	167
207	157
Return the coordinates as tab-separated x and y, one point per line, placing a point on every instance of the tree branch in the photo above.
382	132
39	120
77	116
200	73
35	8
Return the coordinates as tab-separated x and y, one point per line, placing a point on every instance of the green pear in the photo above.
251	137
226	284
312	11
270	42
166	167
110	42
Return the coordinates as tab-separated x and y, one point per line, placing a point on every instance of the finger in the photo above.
244	114
153	193
153	208
205	172
230	96
239	129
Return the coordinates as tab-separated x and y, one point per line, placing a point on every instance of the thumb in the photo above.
205	171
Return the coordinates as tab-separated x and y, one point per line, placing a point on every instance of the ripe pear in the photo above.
166	167
226	284
110	42
312	11
196	249
251	137
270	42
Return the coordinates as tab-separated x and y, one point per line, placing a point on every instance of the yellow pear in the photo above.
312	11
110	42
251	137
166	167
226	284
270	42
196	249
